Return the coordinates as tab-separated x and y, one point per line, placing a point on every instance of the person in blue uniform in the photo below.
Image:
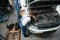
26	18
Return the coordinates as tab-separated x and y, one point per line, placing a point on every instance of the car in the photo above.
47	15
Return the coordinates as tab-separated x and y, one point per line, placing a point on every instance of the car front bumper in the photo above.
42	30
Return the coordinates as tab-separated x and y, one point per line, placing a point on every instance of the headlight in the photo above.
58	9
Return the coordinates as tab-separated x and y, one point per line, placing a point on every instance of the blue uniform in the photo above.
24	28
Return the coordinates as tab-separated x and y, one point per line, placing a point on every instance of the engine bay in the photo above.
46	14
47	20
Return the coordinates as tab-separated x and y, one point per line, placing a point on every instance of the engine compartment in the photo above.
46	14
48	20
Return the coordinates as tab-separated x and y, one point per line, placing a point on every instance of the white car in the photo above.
47	15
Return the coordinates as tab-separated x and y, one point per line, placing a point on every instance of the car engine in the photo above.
45	12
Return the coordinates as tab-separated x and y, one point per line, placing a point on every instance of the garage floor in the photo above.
13	18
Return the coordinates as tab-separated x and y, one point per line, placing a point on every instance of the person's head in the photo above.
31	13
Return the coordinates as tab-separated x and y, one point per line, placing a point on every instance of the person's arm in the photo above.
34	17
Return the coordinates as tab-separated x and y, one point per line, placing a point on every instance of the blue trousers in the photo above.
24	28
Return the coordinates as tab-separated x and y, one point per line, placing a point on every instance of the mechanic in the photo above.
26	18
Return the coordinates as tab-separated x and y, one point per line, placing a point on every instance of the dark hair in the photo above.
31	12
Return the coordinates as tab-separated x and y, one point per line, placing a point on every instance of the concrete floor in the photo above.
13	18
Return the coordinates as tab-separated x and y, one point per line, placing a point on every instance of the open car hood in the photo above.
34	2
43	6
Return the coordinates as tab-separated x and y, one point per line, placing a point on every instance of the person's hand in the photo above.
35	18
29	15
